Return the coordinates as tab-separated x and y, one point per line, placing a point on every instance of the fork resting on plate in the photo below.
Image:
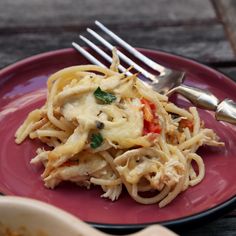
167	81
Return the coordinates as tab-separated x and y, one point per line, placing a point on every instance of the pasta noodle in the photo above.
108	129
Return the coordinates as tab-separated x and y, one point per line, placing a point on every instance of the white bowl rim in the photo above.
58	214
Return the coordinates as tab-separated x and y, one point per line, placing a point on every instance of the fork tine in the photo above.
131	49
87	55
122	56
104	55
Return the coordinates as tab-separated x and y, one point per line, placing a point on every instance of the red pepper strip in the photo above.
146	127
154	128
152	106
184	123
150	123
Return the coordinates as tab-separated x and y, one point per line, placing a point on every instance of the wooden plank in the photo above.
204	43
227	12
224	226
28	13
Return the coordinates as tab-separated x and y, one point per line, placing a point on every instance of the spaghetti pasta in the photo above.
108	129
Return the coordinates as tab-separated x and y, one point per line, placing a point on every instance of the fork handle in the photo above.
224	110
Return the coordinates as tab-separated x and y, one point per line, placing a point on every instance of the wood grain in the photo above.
46	13
189	28
227	12
203	43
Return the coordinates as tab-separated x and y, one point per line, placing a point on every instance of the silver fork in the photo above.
168	81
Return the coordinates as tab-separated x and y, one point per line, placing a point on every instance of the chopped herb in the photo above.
96	140
99	124
103	96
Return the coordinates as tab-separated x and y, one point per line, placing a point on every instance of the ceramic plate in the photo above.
23	88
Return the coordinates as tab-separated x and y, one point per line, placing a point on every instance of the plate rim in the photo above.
37	56
188	221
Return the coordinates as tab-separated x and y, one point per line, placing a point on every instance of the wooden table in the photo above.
203	30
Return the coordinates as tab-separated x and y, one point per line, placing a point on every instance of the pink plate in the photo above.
23	88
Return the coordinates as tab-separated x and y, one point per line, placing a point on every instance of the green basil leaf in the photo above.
103	96
96	140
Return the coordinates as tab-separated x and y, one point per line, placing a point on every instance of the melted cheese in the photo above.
121	120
